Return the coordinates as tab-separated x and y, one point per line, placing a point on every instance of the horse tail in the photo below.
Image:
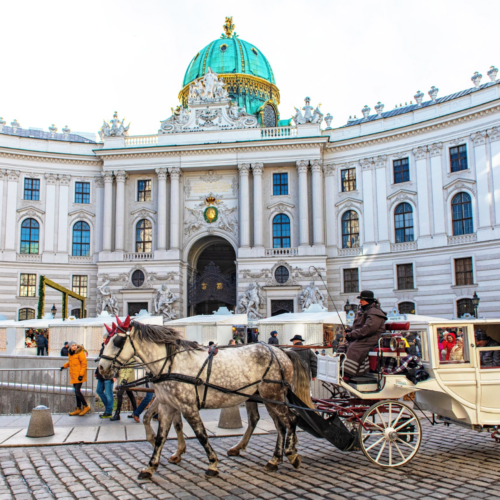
301	383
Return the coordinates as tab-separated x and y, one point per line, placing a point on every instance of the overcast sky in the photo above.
74	63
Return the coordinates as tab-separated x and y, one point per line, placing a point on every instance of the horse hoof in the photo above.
233	453
271	467
211	473
145	475
174	459
297	462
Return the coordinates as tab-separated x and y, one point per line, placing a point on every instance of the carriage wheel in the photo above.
393	434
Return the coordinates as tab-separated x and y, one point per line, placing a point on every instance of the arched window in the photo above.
144	236
350	229
461	207
282	274
81	239
30	235
77	312
403	222
465	306
406	308
26	313
281	231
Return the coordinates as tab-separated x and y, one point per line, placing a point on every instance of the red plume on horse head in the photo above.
123	325
110	330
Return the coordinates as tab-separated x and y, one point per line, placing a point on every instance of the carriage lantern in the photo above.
475	303
53	311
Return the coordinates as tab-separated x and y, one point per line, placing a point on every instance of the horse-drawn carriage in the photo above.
366	413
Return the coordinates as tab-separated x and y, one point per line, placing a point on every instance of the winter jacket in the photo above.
77	364
41	341
448	346
490	358
273	340
126	374
309	358
65	351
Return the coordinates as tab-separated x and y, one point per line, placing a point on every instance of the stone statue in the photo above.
106	300
311	295
298	118
219	91
163	303
251	301
309	115
179	118
210	80
115	127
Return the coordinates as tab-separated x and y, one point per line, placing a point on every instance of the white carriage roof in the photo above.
327	317
210	319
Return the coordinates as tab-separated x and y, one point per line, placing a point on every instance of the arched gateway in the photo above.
212	276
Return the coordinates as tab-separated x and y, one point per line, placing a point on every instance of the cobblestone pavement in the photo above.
452	463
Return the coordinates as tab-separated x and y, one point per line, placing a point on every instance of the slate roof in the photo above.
413	107
41	134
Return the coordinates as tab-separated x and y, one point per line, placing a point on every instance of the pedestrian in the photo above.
65	349
142	406
41	344
104	387
306	355
273	339
125	376
232	342
77	364
211	343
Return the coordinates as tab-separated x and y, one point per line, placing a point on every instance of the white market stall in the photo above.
218	327
85	331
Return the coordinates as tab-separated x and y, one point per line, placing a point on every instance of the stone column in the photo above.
121	177
244	221
381	189
175	173
99	194
482	174
494	135
436	179
62	233
50	211
424	229
369	208
302	166
331	196
258	169
108	212
317	194
162	208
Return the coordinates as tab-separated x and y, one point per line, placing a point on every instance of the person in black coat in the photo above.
488	358
65	349
273	339
306	355
41	344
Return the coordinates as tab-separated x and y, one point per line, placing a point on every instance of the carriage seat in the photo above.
365	383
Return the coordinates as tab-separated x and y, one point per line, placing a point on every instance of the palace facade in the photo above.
228	197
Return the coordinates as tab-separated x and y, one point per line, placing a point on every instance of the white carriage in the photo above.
458	390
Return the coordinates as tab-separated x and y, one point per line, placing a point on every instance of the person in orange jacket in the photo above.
77	364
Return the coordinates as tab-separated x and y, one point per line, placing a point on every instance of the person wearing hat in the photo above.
488	358
306	355
273	339
366	330
65	349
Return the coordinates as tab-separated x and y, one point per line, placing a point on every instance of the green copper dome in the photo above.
230	55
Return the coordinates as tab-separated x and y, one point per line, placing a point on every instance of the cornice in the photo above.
92	161
360	142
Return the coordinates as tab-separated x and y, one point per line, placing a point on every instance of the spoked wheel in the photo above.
393	434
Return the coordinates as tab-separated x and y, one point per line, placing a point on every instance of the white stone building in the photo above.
226	195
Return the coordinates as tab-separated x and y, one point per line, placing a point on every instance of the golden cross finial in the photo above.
228	27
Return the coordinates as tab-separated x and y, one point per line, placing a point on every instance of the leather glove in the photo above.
62	368
80	378
348	338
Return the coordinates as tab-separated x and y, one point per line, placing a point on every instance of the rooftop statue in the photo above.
309	116
228	28
209	88
115	128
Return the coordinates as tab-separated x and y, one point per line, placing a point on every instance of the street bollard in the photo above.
41	424
230	418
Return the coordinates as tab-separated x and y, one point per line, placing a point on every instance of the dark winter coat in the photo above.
41	341
309	358
490	358
273	340
367	328
64	351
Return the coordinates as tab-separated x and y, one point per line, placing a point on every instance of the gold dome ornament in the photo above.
211	214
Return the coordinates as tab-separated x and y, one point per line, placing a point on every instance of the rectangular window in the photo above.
351	280
32	189
453	344
144	191
463	271
405	277
82	192
80	285
348	180
458	158
28	285
401	170
280	184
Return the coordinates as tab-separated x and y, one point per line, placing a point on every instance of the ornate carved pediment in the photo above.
349	203
281	206
30	211
82	214
458	185
143	213
402	195
226	219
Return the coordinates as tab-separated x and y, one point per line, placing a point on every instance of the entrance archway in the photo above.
212	276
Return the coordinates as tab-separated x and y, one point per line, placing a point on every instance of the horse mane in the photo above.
159	334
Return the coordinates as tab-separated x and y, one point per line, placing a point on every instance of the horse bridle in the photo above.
119	341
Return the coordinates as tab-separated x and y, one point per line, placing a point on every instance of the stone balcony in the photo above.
128	256
462	239
282	252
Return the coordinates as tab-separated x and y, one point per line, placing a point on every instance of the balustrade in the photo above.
282	252
278	132
138	256
141	140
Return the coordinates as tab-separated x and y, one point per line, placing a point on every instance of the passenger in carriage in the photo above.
366	330
489	359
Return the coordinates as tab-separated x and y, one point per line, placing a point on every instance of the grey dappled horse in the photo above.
232	369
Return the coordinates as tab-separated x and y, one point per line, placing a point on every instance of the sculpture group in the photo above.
311	295
115	127
309	116
210	87
251	301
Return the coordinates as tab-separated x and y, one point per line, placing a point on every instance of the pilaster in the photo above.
302	167
317	203
257	169
175	174
108	212
162	212
244	169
